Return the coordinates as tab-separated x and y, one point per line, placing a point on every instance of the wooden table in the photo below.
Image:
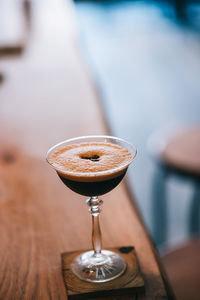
48	96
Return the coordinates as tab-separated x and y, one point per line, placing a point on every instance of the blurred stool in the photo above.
15	17
182	266
176	153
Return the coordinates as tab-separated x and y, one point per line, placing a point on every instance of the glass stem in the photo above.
94	204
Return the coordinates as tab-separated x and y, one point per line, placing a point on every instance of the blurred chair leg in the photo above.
159	207
1	78
180	9
27	6
194	226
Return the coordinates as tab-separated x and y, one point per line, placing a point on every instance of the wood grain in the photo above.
48	97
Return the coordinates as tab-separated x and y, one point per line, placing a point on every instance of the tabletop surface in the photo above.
48	96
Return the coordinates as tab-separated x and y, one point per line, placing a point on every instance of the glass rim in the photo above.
93	136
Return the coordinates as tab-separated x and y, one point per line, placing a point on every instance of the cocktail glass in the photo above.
96	265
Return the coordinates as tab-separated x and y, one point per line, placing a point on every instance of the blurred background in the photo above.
144	60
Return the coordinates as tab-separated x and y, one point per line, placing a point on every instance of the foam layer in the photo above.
94	161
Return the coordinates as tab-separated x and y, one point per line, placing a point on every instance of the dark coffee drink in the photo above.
93	168
92	188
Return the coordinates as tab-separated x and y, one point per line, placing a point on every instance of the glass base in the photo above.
98	268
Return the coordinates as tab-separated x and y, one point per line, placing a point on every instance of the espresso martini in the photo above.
92	168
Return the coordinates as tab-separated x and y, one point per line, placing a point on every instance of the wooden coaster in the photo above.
130	281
